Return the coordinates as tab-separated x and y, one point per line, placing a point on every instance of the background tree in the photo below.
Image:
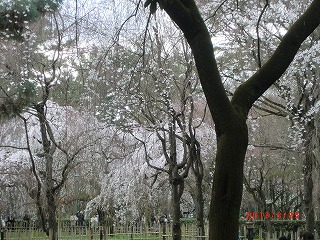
41	65
153	102
17	15
272	175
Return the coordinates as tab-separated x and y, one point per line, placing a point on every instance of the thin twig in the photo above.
258	34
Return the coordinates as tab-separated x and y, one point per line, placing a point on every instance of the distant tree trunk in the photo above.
38	193
308	188
177	185
259	195
197	169
52	217
199	205
51	190
50	197
308	163
177	173
104	223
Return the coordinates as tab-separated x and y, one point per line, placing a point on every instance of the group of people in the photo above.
303	236
77	219
10	221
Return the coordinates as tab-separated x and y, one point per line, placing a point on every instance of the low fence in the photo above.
289	228
136	231
117	231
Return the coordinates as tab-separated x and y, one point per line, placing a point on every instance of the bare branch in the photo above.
258	34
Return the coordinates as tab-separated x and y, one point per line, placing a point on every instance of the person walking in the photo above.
80	217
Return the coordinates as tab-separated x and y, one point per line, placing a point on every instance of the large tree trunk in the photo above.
228	180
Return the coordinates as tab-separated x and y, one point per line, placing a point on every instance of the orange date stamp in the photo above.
273	215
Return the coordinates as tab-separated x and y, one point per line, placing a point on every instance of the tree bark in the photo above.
51	191
52	217
197	169
308	163
177	185
199	206
104	223
227	183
